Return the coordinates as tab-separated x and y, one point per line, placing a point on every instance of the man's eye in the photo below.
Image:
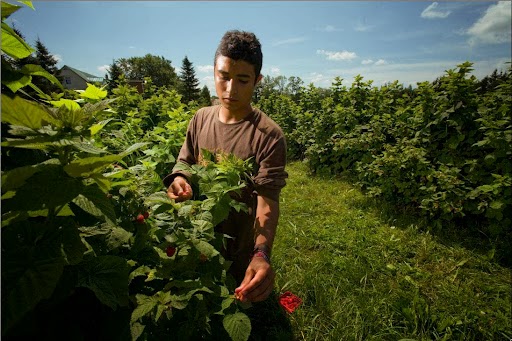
244	82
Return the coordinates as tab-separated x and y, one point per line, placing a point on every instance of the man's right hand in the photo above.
179	190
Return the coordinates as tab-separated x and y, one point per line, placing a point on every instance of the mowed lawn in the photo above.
365	272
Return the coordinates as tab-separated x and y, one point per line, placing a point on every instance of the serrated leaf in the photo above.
31	267
54	188
38	70
226	303
28	3
89	165
19	111
16	177
238	326
98	126
103	182
66	103
136	330
93	92
8	9
134	147
13	45
100	202
118	237
13	79
142	270
145	304
206	248
107	277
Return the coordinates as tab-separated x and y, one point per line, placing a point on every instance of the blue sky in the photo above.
316	41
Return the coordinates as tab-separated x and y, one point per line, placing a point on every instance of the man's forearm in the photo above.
265	225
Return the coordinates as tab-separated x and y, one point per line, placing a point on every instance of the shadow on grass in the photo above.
464	232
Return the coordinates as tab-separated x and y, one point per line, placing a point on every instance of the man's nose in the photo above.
231	87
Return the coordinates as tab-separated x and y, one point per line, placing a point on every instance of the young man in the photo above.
237	128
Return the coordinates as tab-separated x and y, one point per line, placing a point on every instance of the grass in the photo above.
367	274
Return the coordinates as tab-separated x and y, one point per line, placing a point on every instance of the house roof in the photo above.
84	75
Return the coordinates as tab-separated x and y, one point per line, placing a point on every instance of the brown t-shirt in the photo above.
255	136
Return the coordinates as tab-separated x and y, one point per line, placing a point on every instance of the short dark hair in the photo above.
240	45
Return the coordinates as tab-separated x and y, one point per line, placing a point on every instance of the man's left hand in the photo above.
258	282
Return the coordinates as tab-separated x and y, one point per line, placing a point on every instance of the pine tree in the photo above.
204	98
112	77
189	87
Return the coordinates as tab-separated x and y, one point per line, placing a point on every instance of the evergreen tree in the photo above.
189	88
204	98
113	75
48	62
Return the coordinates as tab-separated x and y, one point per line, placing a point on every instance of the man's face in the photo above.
234	83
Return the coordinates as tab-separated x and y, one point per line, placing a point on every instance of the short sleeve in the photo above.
271	176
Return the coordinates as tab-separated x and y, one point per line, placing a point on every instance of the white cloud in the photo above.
494	27
337	55
58	58
275	70
289	41
380	62
431	13
205	68
131	47
367	61
330	28
104	68
363	28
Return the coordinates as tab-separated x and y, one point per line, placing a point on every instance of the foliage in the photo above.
442	148
159	69
189	84
87	221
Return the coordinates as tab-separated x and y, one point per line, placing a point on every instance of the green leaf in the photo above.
28	3
67	103
13	45
54	188
496	205
142	270
98	126
16	177
38	70
118	237
93	92
134	147
19	111
136	330
32	264
238	326
206	248
100	202
145	304
89	165
8	9
107	277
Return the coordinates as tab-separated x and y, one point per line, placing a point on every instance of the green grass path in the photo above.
364	274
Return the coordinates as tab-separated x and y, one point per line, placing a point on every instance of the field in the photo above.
367	272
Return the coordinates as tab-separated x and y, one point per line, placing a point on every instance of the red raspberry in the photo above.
140	219
171	250
146	215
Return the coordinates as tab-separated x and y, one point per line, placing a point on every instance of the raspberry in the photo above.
171	250
146	215
140	219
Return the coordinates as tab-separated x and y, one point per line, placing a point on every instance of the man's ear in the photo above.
258	79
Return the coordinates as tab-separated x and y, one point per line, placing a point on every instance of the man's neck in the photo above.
230	116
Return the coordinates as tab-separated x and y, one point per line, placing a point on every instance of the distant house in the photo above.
76	79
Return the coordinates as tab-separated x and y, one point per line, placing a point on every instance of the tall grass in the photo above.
367	274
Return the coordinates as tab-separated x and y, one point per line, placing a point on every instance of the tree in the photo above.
204	98
113	75
159	69
189	86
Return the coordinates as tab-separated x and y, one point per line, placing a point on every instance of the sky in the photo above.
383	41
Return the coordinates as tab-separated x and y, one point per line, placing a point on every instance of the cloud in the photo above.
131	47
104	68
494	26
367	61
58	58
340	55
330	28
275	70
363	28
289	41
431	13
205	68
380	62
